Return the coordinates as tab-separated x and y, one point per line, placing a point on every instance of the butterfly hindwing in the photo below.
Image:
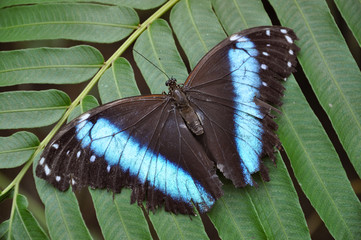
231	89
138	142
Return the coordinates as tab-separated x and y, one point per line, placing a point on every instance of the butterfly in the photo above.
167	147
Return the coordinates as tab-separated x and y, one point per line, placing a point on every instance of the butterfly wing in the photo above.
138	142
231	90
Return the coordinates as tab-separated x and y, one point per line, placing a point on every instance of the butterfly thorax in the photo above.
188	114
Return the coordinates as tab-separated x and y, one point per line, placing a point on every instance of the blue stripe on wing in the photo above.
118	148
244	69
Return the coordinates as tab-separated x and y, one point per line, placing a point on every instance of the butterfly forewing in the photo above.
231	89
139	142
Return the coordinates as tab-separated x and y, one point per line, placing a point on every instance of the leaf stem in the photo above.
13	206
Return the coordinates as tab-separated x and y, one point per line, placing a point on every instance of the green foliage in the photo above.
24	224
27	109
52	65
270	211
117	218
17	149
157	45
62	212
118	82
83	22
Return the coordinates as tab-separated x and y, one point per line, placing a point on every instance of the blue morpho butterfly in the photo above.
164	146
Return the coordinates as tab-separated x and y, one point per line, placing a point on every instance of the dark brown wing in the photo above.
231	89
138	142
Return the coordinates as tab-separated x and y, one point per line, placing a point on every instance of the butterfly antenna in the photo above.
152	63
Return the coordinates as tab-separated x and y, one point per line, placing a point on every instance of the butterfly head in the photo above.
171	83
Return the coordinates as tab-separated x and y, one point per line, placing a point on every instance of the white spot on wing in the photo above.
268	32
67	152
41	162
47	170
78	154
234	37
284	31
264	84
265	53
92	158
72	181
268	45
290	52
57	178
55	145
289	64
108	168
289	39
84	117
264	66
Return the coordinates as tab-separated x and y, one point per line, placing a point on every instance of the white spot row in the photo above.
57	178
284	31
264	66
288	38
42	160
55	145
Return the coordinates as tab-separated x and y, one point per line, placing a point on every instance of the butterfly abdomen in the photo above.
186	111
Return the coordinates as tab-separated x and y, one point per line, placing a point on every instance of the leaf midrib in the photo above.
230	216
33	109
49	66
69	23
195	27
22	221
18	150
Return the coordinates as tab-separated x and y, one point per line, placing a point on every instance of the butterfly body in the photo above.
165	147
183	106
